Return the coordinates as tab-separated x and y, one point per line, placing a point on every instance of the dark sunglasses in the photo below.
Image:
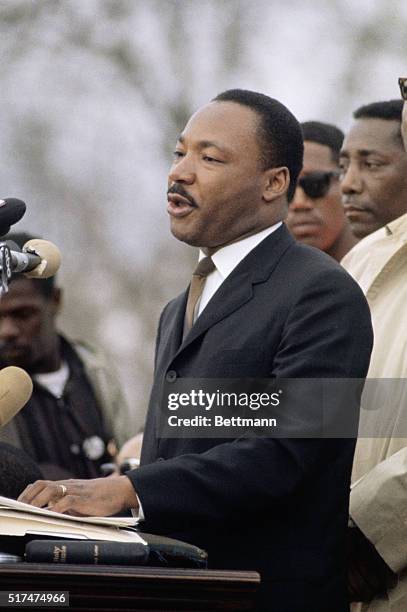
316	184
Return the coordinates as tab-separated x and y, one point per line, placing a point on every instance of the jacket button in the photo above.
171	376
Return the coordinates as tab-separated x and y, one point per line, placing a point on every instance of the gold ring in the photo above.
63	490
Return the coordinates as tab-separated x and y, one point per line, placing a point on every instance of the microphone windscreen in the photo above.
11	211
50	255
15	391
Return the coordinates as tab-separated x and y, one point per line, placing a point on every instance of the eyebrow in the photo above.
361	152
204	144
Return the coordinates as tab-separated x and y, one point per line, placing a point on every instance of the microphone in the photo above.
38	259
11	211
15	391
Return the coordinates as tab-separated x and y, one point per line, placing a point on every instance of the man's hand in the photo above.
368	574
98	497
131	448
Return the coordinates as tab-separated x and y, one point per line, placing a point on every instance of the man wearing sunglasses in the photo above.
315	216
374	167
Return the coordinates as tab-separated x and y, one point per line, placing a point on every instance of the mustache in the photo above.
180	190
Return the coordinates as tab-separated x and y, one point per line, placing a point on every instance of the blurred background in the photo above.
93	95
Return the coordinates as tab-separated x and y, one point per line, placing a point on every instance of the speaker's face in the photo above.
218	189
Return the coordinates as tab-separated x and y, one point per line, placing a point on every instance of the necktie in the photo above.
203	269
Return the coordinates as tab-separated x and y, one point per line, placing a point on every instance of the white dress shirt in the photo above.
226	259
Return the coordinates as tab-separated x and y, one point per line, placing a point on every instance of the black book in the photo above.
159	552
94	552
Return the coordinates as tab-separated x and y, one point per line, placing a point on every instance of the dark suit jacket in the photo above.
278	506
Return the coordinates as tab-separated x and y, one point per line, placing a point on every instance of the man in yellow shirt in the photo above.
374	185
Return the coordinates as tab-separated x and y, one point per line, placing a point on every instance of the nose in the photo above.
300	201
182	171
351	180
9	329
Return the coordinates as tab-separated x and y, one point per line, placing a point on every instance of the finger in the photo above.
52	492
25	494
74	499
69	504
32	490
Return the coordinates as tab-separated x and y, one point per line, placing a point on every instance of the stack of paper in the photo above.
19	519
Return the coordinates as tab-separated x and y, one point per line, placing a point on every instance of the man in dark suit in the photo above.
270	307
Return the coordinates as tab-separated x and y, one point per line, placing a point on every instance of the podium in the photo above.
118	588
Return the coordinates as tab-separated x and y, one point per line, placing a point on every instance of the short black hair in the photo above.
280	136
325	134
389	110
17	470
44	285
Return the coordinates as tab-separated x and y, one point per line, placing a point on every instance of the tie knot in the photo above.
205	267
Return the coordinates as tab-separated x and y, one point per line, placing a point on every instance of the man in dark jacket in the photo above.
269	308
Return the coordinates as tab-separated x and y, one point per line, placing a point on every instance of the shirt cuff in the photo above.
138	514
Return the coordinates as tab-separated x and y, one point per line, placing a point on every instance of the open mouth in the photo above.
178	205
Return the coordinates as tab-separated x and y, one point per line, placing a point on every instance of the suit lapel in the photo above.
172	331
231	295
237	289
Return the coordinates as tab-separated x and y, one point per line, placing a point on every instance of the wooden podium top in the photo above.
111	587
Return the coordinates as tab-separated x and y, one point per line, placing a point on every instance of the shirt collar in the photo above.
229	256
398	227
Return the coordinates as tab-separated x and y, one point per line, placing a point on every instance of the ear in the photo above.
277	181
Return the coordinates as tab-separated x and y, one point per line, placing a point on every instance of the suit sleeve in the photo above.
378	507
327	334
